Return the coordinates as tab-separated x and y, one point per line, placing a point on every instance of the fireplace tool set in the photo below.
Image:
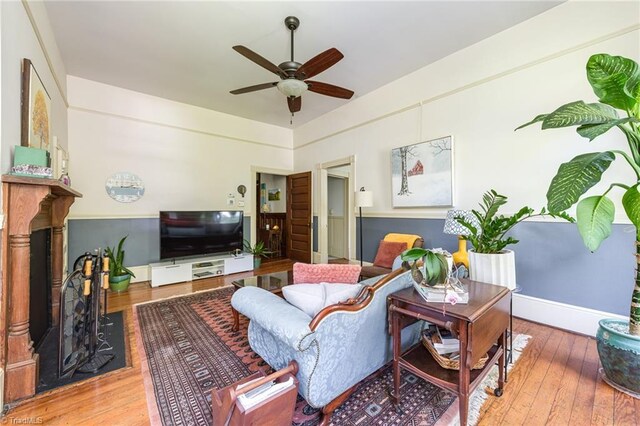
83	317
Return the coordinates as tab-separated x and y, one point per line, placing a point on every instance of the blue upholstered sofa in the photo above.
336	349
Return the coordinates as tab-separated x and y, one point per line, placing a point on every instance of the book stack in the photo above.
263	392
439	293
444	342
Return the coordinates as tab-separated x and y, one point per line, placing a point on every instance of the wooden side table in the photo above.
481	326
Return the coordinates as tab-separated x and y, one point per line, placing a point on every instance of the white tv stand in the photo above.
181	270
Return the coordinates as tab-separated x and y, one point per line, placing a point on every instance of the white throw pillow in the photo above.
312	298
336	293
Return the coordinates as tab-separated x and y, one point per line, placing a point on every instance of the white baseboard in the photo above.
141	272
569	317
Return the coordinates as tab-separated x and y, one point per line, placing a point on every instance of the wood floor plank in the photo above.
585	394
526	395
560	413
539	411
517	376
624	413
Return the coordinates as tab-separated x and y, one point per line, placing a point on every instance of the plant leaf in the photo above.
128	271
631	204
436	268
576	177
609	76
595	216
632	88
592	131
413	253
535	120
578	113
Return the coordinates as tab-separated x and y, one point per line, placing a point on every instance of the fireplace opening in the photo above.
40	318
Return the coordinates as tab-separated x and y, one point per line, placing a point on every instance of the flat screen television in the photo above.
187	233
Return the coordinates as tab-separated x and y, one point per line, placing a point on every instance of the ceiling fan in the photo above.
293	75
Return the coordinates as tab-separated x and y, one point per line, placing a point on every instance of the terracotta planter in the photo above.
499	269
620	355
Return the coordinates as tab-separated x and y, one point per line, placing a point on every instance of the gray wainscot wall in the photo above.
551	261
142	246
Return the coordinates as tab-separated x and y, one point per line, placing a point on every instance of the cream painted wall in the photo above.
26	33
189	158
479	96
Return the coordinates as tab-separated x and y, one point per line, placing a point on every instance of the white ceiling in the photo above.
182	50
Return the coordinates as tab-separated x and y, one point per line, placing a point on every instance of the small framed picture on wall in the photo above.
36	109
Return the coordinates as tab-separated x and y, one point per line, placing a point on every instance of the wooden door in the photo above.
299	217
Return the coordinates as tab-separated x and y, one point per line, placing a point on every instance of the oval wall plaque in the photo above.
124	187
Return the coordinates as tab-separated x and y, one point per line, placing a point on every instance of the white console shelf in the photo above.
172	272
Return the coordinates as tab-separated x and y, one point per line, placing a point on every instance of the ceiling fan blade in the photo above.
253	88
319	63
264	63
295	104
329	90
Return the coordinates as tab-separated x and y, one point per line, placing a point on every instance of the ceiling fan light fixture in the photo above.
292	87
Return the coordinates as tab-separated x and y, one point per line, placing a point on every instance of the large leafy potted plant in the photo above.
489	260
119	275
616	82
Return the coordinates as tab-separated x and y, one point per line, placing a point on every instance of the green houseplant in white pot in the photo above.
616	82
119	275
489	260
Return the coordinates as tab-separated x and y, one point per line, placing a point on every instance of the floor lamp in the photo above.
363	199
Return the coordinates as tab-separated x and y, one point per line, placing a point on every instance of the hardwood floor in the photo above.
555	381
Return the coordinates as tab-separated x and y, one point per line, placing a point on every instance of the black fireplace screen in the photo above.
83	307
73	325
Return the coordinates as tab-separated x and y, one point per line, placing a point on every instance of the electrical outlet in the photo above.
240	203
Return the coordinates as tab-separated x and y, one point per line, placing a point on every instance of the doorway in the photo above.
282	213
271	218
336	219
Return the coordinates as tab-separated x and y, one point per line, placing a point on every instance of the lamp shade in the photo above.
452	226
292	87
364	198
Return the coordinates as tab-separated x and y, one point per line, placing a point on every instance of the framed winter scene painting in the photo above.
422	174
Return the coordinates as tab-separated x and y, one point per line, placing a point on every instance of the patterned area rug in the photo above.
188	349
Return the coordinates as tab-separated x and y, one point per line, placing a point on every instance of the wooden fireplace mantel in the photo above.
29	204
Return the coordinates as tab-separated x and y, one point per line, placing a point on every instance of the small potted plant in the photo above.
616	82
436	265
489	260
119	275
437	272
258	251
